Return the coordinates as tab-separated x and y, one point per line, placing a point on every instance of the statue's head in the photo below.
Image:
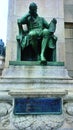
1	42
33	8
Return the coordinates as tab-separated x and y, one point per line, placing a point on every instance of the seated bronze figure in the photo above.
38	42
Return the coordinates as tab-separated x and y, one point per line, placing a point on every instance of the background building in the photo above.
68	26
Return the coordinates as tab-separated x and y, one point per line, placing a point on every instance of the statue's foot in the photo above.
43	58
43	61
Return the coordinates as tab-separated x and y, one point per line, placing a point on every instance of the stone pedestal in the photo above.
36	81
38	121
2	63
35	70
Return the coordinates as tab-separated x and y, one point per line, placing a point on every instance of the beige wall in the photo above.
68	18
47	9
68	10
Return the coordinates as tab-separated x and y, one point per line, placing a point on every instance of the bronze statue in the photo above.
38	30
2	48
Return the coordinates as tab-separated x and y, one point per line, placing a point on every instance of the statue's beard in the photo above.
33	14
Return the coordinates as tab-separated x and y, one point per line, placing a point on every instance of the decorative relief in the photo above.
38	122
68	108
34	122
5	110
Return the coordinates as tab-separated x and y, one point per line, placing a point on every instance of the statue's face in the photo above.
33	11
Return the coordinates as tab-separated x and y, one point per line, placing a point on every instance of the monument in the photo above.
38	41
35	96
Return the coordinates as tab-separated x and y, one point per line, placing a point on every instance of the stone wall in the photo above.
68	18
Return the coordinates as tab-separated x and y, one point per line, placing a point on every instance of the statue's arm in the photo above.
45	23
23	20
20	23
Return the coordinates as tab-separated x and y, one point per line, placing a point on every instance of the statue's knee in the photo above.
45	32
31	34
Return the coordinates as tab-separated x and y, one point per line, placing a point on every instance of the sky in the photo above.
3	19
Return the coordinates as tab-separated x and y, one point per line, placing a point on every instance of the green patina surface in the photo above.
30	63
38	42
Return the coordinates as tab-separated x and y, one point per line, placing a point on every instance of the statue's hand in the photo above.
18	21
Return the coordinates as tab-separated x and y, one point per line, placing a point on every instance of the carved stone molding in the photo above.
5	110
34	122
68	108
38	122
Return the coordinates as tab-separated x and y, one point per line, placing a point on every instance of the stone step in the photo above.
8	83
35	71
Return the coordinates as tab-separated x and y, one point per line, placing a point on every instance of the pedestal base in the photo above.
36	81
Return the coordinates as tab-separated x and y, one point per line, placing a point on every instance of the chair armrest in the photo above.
18	38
